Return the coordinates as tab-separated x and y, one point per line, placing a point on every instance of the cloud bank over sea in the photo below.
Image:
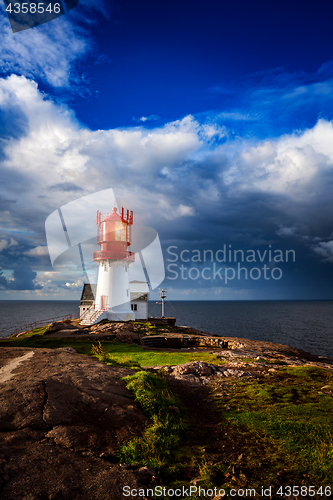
250	165
179	178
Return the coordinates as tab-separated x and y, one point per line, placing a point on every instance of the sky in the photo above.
211	121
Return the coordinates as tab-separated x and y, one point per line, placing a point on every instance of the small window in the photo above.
134	307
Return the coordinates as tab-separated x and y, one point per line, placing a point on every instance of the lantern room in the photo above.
114	235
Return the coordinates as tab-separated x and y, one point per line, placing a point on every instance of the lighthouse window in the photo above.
120	232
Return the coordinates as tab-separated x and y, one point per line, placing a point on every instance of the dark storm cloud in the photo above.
24	278
6	204
65	186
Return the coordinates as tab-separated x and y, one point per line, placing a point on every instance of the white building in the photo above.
138	297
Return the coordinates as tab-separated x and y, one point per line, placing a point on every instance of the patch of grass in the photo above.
115	351
145	328
103	355
289	408
155	446
119	352
36	331
39	331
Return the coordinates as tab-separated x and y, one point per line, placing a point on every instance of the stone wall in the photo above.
177	342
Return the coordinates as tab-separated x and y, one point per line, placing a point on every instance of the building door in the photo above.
103	302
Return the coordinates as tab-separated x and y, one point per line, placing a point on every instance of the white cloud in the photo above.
38	251
77	285
165	173
288	165
3	244
48	52
55	150
7	244
170	212
286	231
325	249
144	119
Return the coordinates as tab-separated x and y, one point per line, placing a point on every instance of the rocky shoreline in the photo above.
64	414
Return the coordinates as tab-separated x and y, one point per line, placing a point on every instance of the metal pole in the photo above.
162	294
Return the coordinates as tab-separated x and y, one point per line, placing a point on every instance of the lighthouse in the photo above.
112	298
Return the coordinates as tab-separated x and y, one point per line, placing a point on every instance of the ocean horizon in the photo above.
305	324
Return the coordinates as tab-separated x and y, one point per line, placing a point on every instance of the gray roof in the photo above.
88	293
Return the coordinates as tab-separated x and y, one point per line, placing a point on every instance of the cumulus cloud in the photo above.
295	167
23	279
38	251
7	244
250	193
55	156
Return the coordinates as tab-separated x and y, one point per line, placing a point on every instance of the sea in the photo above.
307	325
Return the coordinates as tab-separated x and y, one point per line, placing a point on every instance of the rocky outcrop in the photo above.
62	418
58	326
124	332
120	331
198	373
241	363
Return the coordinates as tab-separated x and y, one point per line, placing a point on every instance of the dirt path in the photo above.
6	372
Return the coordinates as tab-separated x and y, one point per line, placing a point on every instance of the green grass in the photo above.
139	356
142	357
290	409
118	351
35	331
155	446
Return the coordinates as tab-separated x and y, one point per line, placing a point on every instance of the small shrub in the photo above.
100	352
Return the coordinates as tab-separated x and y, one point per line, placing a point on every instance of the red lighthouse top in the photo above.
114	235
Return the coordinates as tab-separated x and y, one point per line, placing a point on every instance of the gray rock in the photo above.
196	367
75	403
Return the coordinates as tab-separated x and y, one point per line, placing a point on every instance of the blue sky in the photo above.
213	121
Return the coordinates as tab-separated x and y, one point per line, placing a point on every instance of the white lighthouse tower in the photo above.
112	298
